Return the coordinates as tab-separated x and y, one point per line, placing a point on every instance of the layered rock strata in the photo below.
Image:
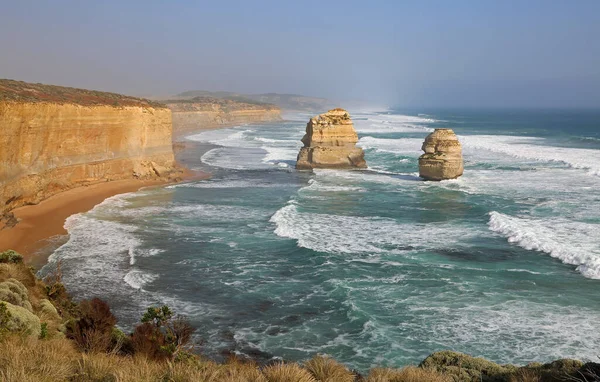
53	139
208	112
443	156
330	142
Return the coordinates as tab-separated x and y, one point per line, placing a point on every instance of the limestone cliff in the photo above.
330	142
443	156
54	138
208	112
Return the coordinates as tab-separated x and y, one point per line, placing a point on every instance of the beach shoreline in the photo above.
40	227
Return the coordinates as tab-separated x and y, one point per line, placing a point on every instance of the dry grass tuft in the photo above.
525	375
407	374
28	359
19	271
287	372
111	367
326	369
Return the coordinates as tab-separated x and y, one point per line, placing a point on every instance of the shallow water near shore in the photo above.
373	267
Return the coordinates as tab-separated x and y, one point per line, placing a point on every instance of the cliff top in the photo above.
19	91
337	116
207	103
284	101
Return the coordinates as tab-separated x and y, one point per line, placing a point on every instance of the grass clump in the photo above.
407	374
11	257
287	372
326	369
29	359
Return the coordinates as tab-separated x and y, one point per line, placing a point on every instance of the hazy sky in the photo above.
423	53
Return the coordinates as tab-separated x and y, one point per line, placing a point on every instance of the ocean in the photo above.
372	267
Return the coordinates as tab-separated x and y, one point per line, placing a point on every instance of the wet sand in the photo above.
40	229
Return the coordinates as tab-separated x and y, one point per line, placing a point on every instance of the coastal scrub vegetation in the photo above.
208	103
19	91
46	336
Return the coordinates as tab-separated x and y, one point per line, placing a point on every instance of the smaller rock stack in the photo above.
330	142
443	156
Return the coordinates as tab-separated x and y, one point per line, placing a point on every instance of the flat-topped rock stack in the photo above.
443	156
330	142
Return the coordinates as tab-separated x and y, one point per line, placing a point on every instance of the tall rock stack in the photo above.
443	156
330	142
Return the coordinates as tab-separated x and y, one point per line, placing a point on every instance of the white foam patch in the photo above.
516	331
278	154
373	175
574	243
236	158
547	184
137	278
232	137
226	183
391	123
354	234
318	186
533	148
98	251
404	146
205	211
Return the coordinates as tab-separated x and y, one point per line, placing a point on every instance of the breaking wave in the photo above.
571	242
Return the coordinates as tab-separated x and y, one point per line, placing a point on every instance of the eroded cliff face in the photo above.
443	156
48	147
206	112
330	142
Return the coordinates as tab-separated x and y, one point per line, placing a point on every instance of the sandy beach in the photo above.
41	227
40	223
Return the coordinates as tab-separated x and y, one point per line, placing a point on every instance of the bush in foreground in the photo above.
11	257
33	348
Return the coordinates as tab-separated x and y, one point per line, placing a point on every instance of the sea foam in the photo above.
574	243
534	148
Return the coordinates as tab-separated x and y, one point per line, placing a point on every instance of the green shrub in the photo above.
157	316
11	256
162	336
463	367
44	330
19	320
14	292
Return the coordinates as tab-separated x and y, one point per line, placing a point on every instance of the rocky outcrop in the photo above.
56	138
330	142
443	156
208	112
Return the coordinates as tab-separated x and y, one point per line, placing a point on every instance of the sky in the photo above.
453	53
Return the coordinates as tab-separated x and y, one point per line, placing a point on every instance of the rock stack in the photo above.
443	156
330	142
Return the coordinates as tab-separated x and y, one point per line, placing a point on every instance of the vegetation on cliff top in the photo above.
18	91
284	101
207	103
45	336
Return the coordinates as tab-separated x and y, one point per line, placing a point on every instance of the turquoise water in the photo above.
374	266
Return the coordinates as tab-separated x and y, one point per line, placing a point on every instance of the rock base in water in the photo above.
443	156
330	142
